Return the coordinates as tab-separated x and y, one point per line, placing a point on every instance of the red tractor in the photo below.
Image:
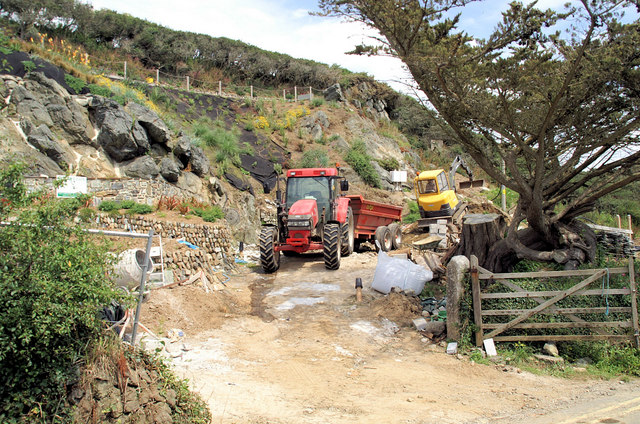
313	215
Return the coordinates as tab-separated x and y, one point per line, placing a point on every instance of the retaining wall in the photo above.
214	241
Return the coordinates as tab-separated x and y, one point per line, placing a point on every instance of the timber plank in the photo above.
562	338
560	311
550	293
547	274
557	325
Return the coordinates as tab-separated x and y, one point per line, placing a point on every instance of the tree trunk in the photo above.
479	233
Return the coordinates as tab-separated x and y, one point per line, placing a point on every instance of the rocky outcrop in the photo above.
150	121
43	139
120	136
333	93
143	167
315	124
169	169
188	153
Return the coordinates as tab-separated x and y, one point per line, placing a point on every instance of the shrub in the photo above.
314	158
317	102
86	214
51	286
389	164
99	90
210	214
108	206
75	83
414	213
360	161
141	208
127	204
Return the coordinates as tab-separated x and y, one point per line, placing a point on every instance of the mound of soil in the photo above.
190	309
397	307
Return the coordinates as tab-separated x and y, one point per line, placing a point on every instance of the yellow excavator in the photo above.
436	193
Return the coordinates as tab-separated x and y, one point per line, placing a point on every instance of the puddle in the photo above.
259	290
295	301
306	286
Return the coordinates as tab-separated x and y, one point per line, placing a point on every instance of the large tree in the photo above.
559	107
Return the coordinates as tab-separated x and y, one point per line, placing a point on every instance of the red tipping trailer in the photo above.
376	222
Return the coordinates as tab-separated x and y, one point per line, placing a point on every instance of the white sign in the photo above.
490	347
399	176
73	186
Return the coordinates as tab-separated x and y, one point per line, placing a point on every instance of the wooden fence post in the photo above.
284	94
252	92
634	301
219	88
158	76
125	69
477	301
619	221
187	82
310	93
295	93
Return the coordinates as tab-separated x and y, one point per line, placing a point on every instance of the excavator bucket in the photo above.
471	184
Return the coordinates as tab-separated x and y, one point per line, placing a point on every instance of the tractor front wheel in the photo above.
331	246
269	256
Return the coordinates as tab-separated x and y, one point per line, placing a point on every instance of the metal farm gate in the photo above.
619	322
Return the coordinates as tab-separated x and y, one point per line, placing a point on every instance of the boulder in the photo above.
169	169
28	107
182	150
385	176
119	136
73	120
150	121
333	93
143	167
199	161
43	139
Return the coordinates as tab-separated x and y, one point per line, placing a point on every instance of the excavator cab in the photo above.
435	195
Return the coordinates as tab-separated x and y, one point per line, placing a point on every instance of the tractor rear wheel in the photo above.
269	256
331	246
383	237
347	234
396	235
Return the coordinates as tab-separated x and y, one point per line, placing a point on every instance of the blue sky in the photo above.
285	26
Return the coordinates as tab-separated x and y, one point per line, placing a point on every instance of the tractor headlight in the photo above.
299	222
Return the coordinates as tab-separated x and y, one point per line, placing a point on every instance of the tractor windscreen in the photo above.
317	188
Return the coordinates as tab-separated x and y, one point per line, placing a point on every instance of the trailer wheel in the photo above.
331	246
269	257
396	235
383	237
347	234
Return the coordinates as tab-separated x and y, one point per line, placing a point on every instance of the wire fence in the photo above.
119	70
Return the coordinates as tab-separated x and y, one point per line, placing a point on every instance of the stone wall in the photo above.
118	189
214	243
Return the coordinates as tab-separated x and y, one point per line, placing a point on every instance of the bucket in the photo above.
128	270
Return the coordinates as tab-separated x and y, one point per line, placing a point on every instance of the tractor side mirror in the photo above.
344	185
266	188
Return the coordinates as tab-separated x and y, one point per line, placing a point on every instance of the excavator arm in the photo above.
459	162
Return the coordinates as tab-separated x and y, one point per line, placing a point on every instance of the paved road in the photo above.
620	407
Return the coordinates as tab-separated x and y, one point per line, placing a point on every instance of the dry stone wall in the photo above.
213	241
118	189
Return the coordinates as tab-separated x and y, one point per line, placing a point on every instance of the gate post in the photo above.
634	302
477	301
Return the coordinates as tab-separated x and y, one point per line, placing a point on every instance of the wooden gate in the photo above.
626	316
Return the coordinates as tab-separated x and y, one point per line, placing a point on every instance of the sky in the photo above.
285	26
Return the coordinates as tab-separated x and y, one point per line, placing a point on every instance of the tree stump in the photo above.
479	233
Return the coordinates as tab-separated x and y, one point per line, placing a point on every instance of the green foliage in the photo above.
223	142
414	213
99	90
314	158
51	286
317	102
127	204
86	214
108	206
76	84
29	66
389	164
209	214
360	161
495	196
142	209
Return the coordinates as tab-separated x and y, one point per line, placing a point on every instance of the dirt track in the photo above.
294	347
